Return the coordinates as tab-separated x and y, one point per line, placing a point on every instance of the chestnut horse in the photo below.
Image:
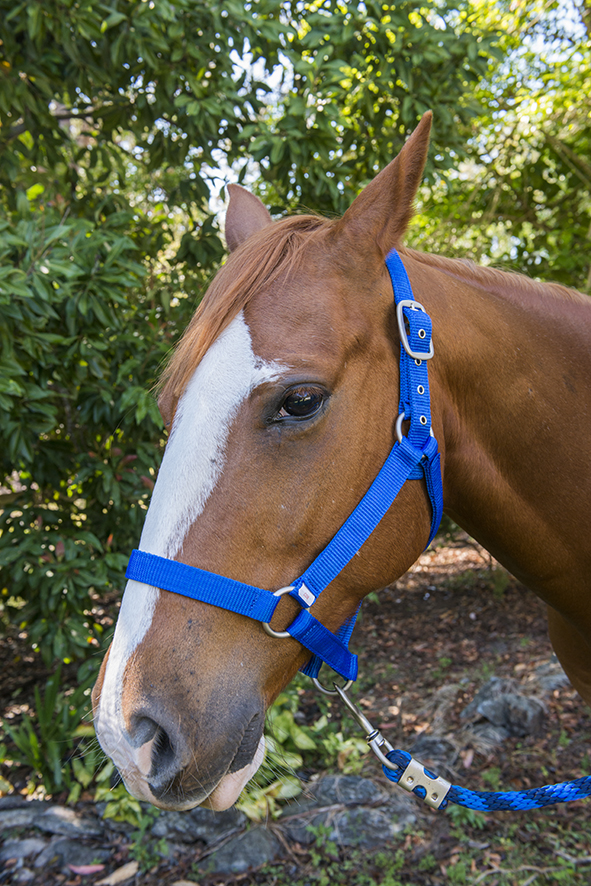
282	401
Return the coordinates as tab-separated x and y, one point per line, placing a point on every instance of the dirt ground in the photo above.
426	645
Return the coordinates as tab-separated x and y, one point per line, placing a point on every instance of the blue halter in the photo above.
413	457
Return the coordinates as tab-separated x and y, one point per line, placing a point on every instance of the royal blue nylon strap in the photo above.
243	599
374	505
170	575
414	456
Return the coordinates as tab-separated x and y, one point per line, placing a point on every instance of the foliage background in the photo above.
120	121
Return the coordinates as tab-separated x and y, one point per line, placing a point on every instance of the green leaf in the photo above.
115	18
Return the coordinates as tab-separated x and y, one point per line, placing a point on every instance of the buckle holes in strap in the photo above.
418	362
422	333
423	419
420	389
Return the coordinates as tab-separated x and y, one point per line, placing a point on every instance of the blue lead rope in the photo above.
401	768
495	801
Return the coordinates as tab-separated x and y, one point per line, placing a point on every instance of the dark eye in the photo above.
302	403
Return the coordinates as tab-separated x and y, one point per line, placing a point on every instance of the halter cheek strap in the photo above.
414	456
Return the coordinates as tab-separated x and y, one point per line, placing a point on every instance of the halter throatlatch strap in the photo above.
413	457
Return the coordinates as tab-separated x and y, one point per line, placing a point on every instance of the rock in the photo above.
249	850
368	828
25	848
24	875
485	738
359	824
348	790
17	801
63	851
499	703
436	753
21	817
551	676
198	825
67	822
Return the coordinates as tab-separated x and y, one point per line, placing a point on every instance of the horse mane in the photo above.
494	280
275	249
278	248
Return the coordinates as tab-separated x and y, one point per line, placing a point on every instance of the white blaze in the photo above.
192	464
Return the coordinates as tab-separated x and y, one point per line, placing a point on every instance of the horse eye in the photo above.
302	403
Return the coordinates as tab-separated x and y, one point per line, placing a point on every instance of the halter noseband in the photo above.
412	457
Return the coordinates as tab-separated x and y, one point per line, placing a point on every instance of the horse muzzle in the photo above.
156	750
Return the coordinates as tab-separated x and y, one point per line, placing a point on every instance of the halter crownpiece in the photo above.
413	457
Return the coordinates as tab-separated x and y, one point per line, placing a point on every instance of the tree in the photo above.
114	118
522	195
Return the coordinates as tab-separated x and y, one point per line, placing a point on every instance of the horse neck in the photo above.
510	396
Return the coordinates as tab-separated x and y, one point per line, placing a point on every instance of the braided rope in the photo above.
493	801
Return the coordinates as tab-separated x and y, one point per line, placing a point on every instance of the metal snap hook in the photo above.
281	635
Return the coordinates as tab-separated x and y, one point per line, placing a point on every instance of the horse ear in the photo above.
382	211
245	216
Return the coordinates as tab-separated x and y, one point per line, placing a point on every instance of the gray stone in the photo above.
488	736
199	825
67	822
63	851
17	818
367	828
25	848
24	875
435	752
499	703
348	790
16	801
551	676
242	853
358	824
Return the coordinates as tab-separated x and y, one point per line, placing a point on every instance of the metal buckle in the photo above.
415	306
281	635
414	776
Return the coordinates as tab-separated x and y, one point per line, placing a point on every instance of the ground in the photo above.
426	645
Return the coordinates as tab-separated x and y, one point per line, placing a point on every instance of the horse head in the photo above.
281	401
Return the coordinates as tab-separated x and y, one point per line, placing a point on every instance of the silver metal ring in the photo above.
281	635
399	421
326	691
398	426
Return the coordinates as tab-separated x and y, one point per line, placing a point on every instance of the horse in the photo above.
281	401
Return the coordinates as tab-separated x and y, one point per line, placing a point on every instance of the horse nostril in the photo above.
143	730
155	754
163	753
